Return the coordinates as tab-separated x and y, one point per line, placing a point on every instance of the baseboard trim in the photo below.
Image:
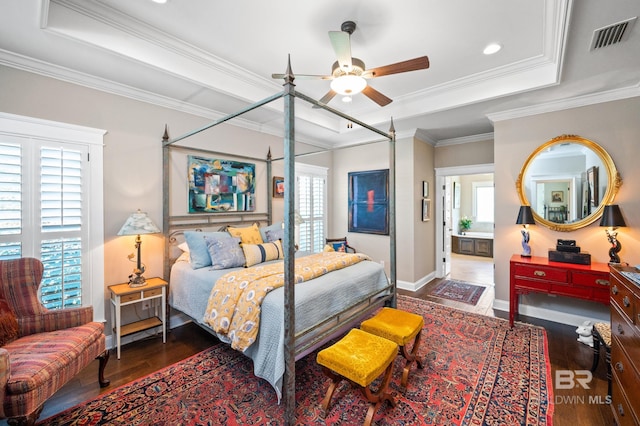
547	314
415	286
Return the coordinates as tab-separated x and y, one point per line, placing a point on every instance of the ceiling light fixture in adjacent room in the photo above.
492	48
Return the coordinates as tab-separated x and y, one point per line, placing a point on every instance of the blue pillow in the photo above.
198	251
225	252
272	232
341	246
274	235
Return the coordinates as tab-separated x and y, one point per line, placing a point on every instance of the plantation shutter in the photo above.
61	222
311	205
10	200
51	207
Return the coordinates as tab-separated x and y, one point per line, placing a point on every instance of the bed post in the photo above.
165	215
289	381
269	188
392	210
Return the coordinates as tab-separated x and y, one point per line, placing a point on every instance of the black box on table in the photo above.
569	257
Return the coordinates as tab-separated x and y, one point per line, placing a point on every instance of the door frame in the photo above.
441	173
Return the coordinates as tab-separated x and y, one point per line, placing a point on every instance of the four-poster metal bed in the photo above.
174	225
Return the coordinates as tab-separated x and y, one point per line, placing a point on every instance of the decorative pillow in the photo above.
341	246
328	247
8	324
184	247
258	253
272	232
225	252
198	250
274	235
184	257
247	235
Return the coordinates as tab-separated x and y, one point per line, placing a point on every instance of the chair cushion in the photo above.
604	330
8	324
41	358
393	324
359	356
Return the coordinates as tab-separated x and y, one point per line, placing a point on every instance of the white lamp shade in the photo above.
348	84
139	223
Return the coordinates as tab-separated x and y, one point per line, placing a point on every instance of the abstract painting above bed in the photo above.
217	185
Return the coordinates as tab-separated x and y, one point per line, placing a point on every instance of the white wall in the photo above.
613	125
133	156
415	238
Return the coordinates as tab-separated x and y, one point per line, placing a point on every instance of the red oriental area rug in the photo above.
458	291
478	372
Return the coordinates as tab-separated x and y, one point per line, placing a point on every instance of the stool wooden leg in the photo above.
411	357
609	377
380	396
335	379
596	350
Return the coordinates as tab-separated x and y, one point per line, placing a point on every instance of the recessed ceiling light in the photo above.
346	99
159	1
492	48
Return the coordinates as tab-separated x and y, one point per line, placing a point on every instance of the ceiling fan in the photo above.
349	75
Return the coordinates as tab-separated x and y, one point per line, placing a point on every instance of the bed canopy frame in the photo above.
289	94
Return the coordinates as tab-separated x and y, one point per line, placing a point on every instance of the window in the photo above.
51	207
483	201
311	201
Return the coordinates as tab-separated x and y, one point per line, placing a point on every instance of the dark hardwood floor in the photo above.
576	406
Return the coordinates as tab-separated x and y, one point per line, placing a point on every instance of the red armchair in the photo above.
48	348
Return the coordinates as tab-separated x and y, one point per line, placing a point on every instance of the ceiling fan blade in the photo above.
415	64
326	98
340	40
304	76
376	96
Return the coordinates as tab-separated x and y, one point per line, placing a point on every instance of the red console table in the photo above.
539	275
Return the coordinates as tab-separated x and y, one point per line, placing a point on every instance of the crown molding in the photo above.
466	139
569	103
425	137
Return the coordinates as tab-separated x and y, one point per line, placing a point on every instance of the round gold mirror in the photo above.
567	182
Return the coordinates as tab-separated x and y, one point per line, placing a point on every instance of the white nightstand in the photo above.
123	295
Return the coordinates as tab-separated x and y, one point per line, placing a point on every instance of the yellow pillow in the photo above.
258	253
328	247
247	235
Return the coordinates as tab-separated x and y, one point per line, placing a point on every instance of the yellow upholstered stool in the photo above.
400	327
360	357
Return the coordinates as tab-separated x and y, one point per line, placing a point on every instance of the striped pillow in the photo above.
258	253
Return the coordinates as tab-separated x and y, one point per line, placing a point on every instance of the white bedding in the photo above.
315	301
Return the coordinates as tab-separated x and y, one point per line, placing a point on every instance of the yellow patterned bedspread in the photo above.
233	309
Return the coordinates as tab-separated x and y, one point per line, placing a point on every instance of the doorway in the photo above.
454	197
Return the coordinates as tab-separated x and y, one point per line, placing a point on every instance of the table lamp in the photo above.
136	224
612	218
525	218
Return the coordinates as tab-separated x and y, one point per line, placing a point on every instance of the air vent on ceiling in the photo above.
612	34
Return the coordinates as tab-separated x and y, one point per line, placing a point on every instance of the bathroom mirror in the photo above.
567	181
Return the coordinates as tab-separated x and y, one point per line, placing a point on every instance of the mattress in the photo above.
316	301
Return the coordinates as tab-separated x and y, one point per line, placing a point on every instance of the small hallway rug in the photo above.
459	291
478	371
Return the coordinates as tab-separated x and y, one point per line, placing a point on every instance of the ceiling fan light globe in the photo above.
348	85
